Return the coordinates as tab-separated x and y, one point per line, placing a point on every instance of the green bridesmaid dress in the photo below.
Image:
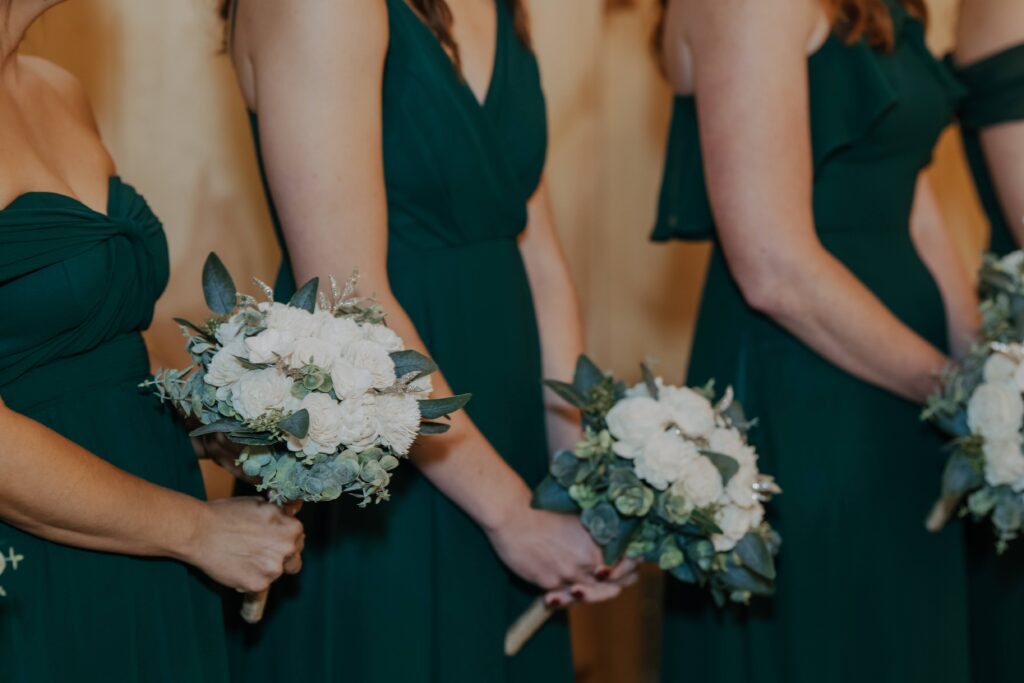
864	593
411	591
995	87
76	288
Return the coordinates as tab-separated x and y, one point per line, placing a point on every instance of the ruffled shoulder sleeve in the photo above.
995	89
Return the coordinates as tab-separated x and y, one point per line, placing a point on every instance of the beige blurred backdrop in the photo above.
169	110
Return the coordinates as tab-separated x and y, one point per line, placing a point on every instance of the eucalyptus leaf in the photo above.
953	425
961	476
568	392
616	548
412	362
727	465
218	287
431	428
252	439
587	376
603	523
755	555
684	573
553	497
305	297
220	426
195	328
740	578
296	424
650	381
439	407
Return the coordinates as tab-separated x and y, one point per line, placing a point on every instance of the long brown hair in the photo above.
851	19
438	17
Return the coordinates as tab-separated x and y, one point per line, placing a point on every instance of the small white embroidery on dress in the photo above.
12	559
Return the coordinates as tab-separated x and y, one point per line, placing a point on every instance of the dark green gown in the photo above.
864	593
76	287
411	591
995	88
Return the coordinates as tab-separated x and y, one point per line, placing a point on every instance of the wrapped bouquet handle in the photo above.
253	606
528	623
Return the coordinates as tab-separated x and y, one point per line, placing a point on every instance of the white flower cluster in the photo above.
667	438
995	411
266	372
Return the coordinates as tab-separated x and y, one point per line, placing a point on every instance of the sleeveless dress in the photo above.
76	287
995	87
864	593
411	591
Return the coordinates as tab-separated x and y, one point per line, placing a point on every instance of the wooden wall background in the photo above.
169	111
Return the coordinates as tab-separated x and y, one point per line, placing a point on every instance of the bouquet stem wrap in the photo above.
524	628
253	606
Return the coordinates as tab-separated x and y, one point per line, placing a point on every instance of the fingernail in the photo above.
577	593
554	602
603	573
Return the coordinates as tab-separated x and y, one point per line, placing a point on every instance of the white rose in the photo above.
270	345
640	390
665	459
634	421
735	523
340	332
295	321
324	435
999	368
358	427
228	331
1004	462
397	421
372	356
729	441
1018	379
312	350
260	391
350	381
690	411
995	410
385	336
225	368
741	486
1012	263
701	482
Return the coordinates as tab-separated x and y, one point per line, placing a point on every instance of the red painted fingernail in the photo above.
554	602
577	593
603	573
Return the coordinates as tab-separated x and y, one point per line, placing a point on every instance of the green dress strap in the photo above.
995	87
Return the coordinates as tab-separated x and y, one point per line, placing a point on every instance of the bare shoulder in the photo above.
61	84
987	27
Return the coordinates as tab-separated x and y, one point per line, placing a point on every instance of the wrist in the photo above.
184	542
498	514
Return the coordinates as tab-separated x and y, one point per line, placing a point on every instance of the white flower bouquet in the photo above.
981	406
665	475
320	394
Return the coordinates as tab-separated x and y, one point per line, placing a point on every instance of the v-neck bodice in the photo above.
458	171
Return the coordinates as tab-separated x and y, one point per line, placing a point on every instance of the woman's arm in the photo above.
54	489
948	268
558	314
987	27
313	70
759	175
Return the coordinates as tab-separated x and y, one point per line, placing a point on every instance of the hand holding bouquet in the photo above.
324	399
666	476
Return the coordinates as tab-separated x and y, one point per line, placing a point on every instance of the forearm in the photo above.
558	317
822	303
1004	154
948	268
54	489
